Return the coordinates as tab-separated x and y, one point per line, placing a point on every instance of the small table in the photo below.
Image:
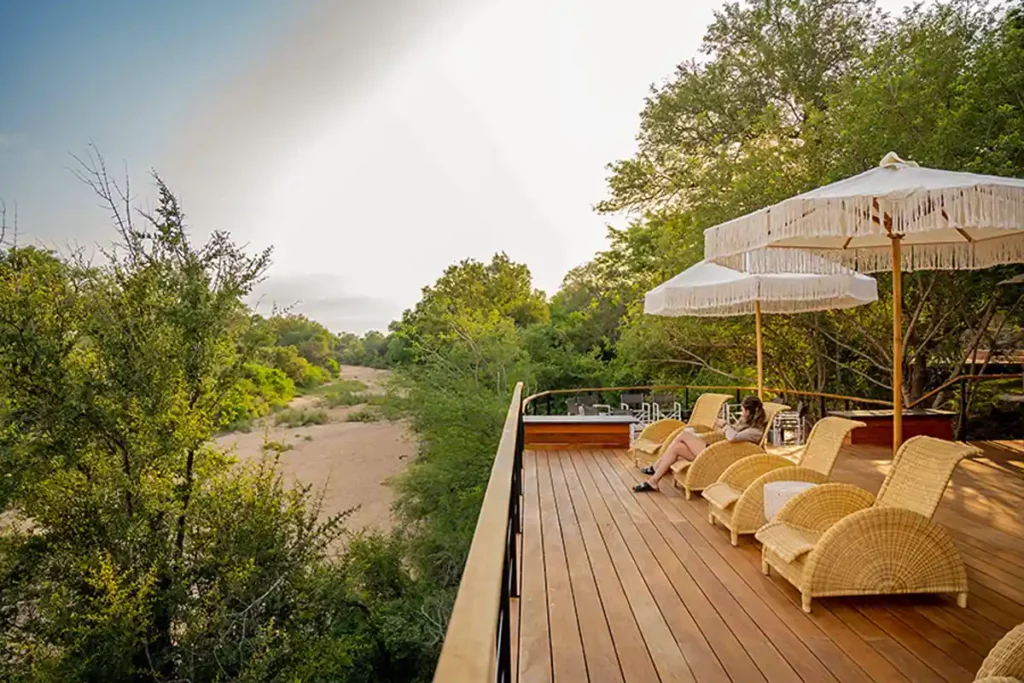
778	493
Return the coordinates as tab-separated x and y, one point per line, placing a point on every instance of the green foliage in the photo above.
471	293
304	374
372	350
144	553
293	417
364	415
259	391
793	95
351	385
311	340
346	392
141	551
334	399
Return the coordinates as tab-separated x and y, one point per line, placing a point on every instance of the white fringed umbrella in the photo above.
896	217
708	290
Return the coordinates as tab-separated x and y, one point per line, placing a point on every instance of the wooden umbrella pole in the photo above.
760	352
897	344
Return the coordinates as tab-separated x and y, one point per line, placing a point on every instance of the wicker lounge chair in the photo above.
737	498
838	539
708	466
652	440
1005	663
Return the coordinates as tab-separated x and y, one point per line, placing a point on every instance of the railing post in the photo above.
738	399
548	404
821	405
961	427
848	405
504	672
517	474
686	400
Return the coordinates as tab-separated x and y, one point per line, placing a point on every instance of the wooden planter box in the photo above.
564	432
878	432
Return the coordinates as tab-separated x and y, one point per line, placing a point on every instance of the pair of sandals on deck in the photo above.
644	487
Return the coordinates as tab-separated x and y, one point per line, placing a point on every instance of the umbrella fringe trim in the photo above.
972	208
777	295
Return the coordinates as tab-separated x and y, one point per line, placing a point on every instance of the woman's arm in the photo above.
749	434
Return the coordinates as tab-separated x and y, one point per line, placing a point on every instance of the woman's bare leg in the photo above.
677	449
693	443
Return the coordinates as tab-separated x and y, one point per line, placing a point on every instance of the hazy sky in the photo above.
371	142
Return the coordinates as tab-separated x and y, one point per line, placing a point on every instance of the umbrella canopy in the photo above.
898	216
708	289
946	221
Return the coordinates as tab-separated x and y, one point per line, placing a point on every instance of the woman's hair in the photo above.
754	408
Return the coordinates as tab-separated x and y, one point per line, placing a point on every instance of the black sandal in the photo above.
649	470
644	487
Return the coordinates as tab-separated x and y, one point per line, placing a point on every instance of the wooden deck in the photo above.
618	586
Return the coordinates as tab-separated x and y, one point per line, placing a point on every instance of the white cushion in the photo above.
778	493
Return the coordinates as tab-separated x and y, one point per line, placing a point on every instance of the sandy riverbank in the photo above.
352	461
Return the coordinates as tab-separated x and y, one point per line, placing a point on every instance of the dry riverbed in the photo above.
351	461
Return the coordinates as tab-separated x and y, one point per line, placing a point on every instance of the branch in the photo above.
917	312
885	353
701	363
852	349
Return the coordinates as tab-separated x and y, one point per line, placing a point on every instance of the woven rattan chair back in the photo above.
1006	658
920	471
825	441
706	408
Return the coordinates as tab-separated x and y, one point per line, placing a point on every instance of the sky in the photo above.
371	143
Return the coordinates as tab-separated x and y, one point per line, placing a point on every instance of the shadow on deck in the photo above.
617	586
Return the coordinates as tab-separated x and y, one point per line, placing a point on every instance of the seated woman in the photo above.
689	445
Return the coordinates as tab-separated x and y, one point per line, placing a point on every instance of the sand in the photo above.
350	461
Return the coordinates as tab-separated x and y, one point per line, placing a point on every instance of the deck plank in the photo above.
661	642
937	660
947	643
891	649
568	662
808	652
534	640
713	604
634	588
635	660
601	660
726	626
662	578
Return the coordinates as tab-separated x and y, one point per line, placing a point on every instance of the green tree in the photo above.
471	288
141	552
313	341
798	93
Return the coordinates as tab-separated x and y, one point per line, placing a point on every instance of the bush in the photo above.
345	392
260	390
301	418
342	398
349	385
304	374
332	367
364	415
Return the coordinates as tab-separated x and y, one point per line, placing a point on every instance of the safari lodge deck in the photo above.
573	577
